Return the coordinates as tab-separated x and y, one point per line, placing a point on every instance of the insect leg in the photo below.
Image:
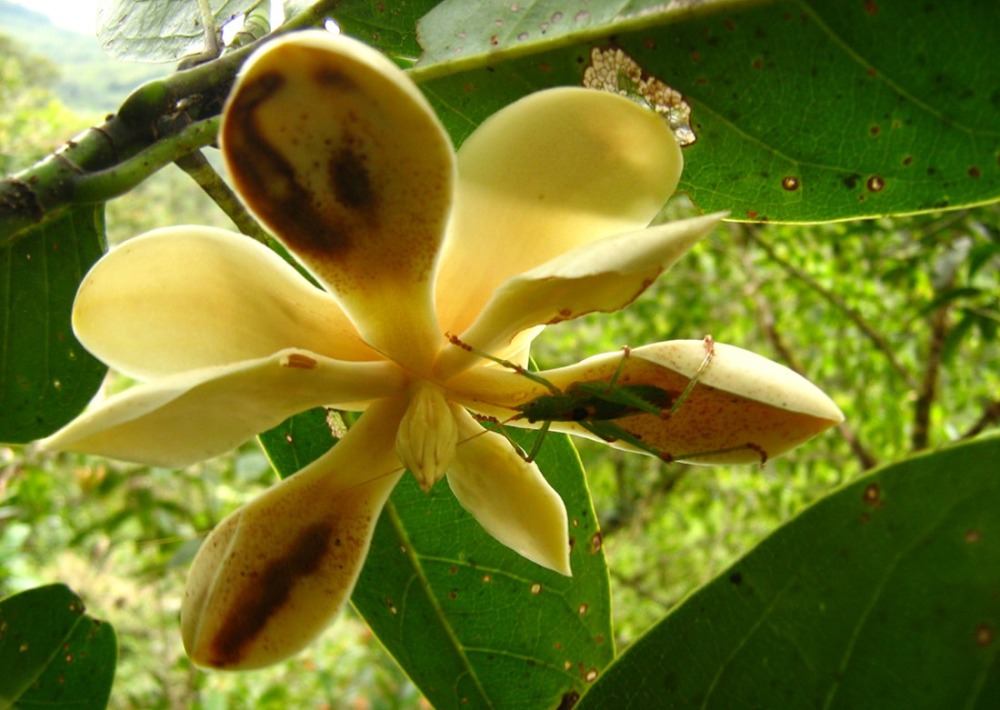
502	430
626	352
709	354
759	450
539	440
610	432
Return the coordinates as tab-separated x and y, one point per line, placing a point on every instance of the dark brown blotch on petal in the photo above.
351	179
333	79
250	613
267	180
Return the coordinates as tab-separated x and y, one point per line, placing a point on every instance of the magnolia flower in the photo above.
540	217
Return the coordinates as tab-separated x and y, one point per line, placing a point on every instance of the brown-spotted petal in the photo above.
184	298
340	155
743	409
273	574
178	420
548	173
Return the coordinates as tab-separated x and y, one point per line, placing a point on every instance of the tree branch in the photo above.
159	111
201	171
835	300
865	457
990	416
928	387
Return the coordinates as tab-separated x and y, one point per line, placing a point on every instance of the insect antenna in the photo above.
455	340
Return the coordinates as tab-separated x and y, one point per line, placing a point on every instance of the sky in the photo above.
79	15
76	15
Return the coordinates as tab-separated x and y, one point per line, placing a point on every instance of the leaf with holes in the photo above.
52	654
885	592
803	110
471	622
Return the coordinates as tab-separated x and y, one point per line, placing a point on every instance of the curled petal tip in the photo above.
758	406
510	498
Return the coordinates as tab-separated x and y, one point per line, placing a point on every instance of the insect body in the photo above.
596	401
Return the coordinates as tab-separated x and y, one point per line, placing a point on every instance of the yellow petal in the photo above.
744	409
600	276
555	170
509	497
183	298
178	420
270	577
340	155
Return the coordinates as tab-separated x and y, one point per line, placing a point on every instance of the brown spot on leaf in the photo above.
250	613
872	495
790	183
984	635
596	542
568	700
875	183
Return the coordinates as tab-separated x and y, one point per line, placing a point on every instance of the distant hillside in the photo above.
90	81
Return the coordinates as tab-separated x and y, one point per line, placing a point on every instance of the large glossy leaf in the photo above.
46	377
390	26
52	654
884	594
803	110
472	623
161	31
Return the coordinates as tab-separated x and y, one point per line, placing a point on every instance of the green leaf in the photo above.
886	592
471	622
52	654
458	28
161	31
804	111
389	26
46	377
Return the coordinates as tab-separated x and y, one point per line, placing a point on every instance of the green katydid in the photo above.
595	406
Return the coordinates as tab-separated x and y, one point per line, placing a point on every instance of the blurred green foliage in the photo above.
895	318
34	121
